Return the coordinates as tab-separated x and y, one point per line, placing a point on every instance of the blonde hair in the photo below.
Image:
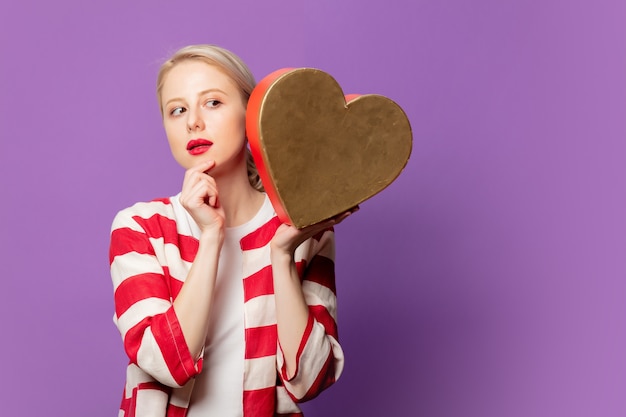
231	65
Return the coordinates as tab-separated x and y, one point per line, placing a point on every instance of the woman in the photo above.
223	311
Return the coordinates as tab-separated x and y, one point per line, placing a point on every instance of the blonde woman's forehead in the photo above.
189	76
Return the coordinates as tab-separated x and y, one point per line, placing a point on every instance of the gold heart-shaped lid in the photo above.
320	153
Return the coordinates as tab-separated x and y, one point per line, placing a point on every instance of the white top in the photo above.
218	390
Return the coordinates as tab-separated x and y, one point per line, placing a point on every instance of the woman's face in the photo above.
204	117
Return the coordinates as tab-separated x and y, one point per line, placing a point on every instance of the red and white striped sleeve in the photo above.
320	358
141	236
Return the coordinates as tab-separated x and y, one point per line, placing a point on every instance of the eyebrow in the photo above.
201	93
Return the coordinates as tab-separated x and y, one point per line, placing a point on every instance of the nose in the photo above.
194	120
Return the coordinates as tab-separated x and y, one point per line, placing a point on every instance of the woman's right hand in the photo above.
200	198
192	306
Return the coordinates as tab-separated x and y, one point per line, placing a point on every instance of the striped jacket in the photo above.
151	251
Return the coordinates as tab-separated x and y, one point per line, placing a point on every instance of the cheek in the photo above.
238	122
172	129
174	140
169	134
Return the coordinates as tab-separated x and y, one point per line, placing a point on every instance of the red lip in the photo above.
198	146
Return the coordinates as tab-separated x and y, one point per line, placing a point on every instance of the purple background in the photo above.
488	280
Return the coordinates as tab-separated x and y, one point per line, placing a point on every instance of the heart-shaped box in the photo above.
320	153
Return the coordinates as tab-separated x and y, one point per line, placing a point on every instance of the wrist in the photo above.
280	256
211	237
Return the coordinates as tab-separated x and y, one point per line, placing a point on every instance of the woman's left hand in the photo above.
288	238
292	311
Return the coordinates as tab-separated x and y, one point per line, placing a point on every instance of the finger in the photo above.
213	201
203	166
328	223
200	168
197	171
310	231
342	216
192	178
205	192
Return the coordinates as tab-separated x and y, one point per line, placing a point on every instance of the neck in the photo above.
239	199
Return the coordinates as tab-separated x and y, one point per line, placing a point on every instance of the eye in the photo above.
212	103
177	111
